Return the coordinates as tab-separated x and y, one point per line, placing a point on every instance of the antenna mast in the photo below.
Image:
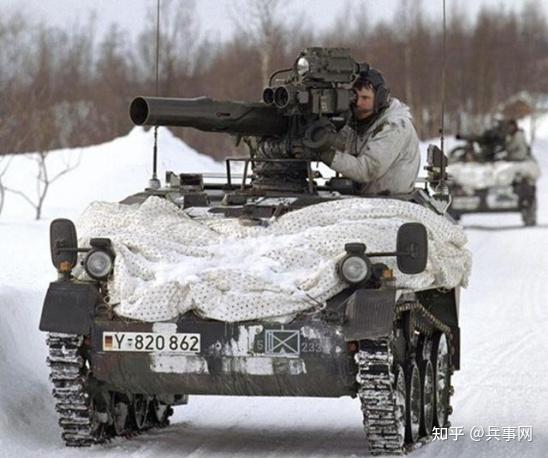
441	189
154	183
443	72
436	156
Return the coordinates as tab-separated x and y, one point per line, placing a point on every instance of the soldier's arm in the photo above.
517	149
522	140
375	156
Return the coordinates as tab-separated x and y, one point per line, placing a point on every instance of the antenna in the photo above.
443	72
436	157
154	183
441	188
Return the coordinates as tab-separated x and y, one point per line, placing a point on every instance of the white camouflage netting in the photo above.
475	175
168	263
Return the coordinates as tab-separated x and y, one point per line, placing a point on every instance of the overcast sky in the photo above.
216	15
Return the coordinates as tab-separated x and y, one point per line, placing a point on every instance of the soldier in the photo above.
379	147
517	148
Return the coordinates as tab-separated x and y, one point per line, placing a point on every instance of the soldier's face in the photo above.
365	102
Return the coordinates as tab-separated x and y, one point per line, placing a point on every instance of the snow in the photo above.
504	318
110	172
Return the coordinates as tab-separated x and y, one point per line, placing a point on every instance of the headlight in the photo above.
98	264
303	66
355	269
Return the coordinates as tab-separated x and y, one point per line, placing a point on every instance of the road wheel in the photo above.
442	379
160	412
120	409
413	403
140	407
427	391
400	392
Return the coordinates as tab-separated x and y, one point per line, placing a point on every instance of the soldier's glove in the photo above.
321	139
311	155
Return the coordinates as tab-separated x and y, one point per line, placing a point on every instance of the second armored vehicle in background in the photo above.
485	179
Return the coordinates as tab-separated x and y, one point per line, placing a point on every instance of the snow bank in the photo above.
109	171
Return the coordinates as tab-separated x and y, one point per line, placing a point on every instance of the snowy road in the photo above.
502	383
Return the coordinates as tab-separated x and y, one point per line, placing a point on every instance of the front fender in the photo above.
370	314
69	307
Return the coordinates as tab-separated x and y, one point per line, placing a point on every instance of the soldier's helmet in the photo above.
375	79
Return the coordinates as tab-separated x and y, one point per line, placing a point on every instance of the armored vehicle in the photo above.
483	180
393	347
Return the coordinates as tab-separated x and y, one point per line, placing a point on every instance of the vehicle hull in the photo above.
307	357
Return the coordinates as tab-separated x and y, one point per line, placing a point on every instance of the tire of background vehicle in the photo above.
529	213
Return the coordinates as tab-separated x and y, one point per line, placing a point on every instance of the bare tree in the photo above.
404	17
44	180
113	86
61	79
179	47
15	48
46	128
4	165
261	21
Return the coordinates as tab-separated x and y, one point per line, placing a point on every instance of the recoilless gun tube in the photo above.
202	113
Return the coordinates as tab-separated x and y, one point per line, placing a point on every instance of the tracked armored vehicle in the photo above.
482	181
393	347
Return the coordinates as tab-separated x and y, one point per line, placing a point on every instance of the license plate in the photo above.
151	342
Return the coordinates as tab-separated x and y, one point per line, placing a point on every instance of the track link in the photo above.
384	420
382	416
77	418
81	422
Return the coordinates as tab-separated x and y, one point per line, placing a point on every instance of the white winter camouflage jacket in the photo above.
516	146
386	157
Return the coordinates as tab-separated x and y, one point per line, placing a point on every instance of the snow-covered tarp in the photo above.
168	262
475	175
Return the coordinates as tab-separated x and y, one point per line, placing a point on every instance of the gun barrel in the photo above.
202	113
